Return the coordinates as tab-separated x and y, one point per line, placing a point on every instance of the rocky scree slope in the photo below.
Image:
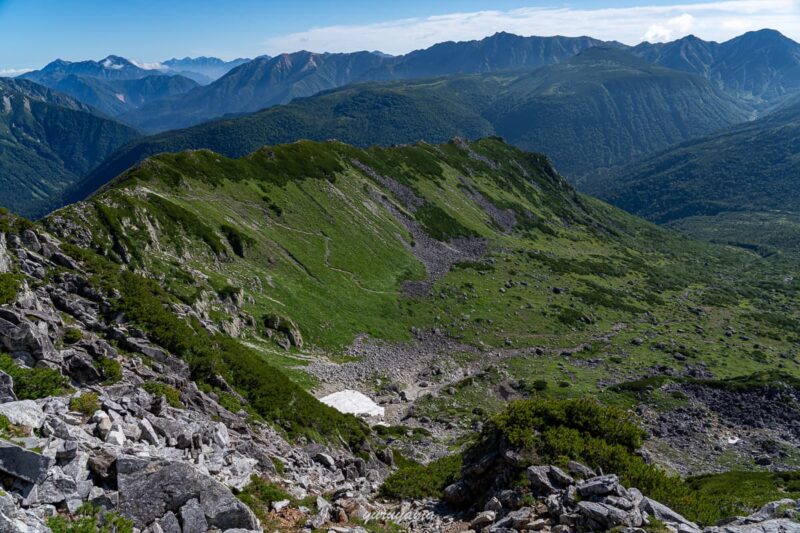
97	417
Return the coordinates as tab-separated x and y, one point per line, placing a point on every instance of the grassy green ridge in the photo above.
598	109
271	396
324	250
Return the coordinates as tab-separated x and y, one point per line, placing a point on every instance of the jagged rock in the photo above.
57	488
23	464
325	460
179	367
608	516
516	519
456	494
665	514
581	470
80	366
102	465
548	479
169	523
23	339
148	433
769	511
14	520
23	413
177	432
103	422
151	488
115	438
6	388
482	520
192	518
5	258
280	505
601	486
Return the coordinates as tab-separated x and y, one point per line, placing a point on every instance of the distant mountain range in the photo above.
600	108
116	86
203	70
47	141
266	81
760	67
591	106
752	167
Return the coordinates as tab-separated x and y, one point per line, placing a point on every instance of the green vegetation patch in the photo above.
413	481
90	519
9	285
440	225
34	383
554	431
168	392
87	403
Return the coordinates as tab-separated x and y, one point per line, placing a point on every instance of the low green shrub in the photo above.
170	393
9	284
110	369
441	226
90	519
259	494
34	383
72	335
547	431
86	403
416	481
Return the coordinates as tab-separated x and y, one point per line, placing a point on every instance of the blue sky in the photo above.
34	32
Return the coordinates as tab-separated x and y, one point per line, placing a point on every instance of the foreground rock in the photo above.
151	489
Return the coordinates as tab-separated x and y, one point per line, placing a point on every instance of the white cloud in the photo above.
13	72
716	20
147	66
680	26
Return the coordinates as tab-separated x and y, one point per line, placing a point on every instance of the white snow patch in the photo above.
353	402
733	440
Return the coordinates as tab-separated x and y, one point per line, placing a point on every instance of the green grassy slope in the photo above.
310	233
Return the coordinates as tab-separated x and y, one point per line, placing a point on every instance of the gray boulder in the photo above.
6	388
5	258
192	517
665	514
23	413
548	479
23	464
149	489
